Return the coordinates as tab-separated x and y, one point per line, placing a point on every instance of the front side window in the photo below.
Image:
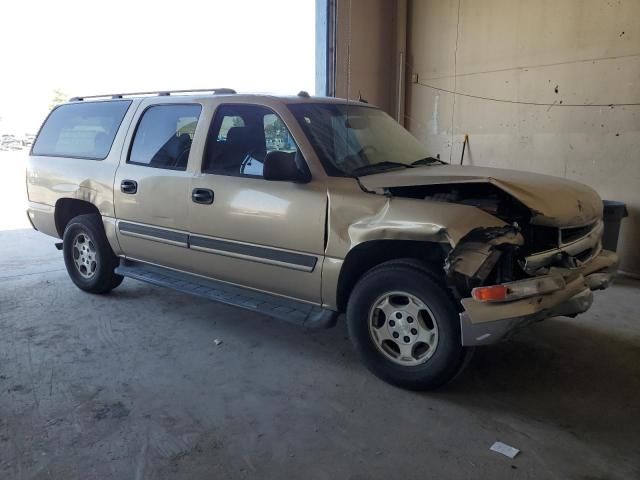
81	130
241	136
164	135
353	140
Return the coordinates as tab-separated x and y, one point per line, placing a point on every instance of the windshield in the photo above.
356	140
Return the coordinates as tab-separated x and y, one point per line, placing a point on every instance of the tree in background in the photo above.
277	135
58	97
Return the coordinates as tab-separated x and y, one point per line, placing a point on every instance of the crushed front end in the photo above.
539	256
509	277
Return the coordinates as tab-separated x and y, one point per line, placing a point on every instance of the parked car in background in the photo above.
10	142
27	139
304	208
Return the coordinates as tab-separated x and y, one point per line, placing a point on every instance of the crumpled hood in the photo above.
554	201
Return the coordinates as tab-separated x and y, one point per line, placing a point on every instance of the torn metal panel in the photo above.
476	255
353	221
408	219
473	260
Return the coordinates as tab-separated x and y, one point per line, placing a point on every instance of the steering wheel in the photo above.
366	150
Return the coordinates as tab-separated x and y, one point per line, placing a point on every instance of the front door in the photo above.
152	184
268	235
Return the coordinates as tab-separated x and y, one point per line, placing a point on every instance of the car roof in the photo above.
302	97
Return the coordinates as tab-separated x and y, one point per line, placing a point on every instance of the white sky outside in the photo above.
90	47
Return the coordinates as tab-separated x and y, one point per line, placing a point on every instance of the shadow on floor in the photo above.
561	372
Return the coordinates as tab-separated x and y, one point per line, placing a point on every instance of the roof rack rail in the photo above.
161	93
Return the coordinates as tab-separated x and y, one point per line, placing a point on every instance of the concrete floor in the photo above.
132	385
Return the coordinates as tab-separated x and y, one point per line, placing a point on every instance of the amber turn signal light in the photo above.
507	292
493	293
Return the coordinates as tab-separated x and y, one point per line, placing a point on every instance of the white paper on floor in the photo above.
505	449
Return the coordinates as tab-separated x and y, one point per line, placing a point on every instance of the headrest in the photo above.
236	134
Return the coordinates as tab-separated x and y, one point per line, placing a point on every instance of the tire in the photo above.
384	303
88	256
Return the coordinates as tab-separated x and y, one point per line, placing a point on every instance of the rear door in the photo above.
152	183
267	235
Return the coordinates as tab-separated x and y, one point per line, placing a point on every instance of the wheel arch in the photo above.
68	208
367	255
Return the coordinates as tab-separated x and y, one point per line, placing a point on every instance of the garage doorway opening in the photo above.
247	45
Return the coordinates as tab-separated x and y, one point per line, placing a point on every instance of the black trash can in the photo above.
614	212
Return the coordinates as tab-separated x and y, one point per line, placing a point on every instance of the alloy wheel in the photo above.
403	328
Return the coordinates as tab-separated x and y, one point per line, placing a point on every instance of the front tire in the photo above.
405	326
88	256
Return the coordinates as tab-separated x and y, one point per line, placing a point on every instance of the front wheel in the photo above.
88	256
405	326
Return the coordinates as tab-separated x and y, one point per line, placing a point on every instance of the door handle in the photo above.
129	186
202	195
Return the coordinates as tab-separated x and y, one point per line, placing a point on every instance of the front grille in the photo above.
574	246
539	238
571	234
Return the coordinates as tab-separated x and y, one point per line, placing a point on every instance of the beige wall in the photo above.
521	51
366	51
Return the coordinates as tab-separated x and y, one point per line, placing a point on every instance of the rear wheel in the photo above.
88	256
405	326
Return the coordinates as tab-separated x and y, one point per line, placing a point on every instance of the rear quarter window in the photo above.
164	135
81	130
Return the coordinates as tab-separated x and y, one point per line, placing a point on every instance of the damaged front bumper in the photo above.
484	323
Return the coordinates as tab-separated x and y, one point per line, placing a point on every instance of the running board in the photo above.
300	313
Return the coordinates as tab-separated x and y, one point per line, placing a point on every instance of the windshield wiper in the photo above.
377	167
427	161
362	187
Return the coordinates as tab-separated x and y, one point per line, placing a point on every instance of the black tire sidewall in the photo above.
445	361
104	279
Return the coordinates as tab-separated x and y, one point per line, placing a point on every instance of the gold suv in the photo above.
303	208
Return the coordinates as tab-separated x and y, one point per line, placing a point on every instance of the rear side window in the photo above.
81	130
164	135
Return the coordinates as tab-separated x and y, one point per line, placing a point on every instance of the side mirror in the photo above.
285	167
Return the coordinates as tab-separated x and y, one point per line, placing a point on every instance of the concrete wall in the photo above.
366	51
551	52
